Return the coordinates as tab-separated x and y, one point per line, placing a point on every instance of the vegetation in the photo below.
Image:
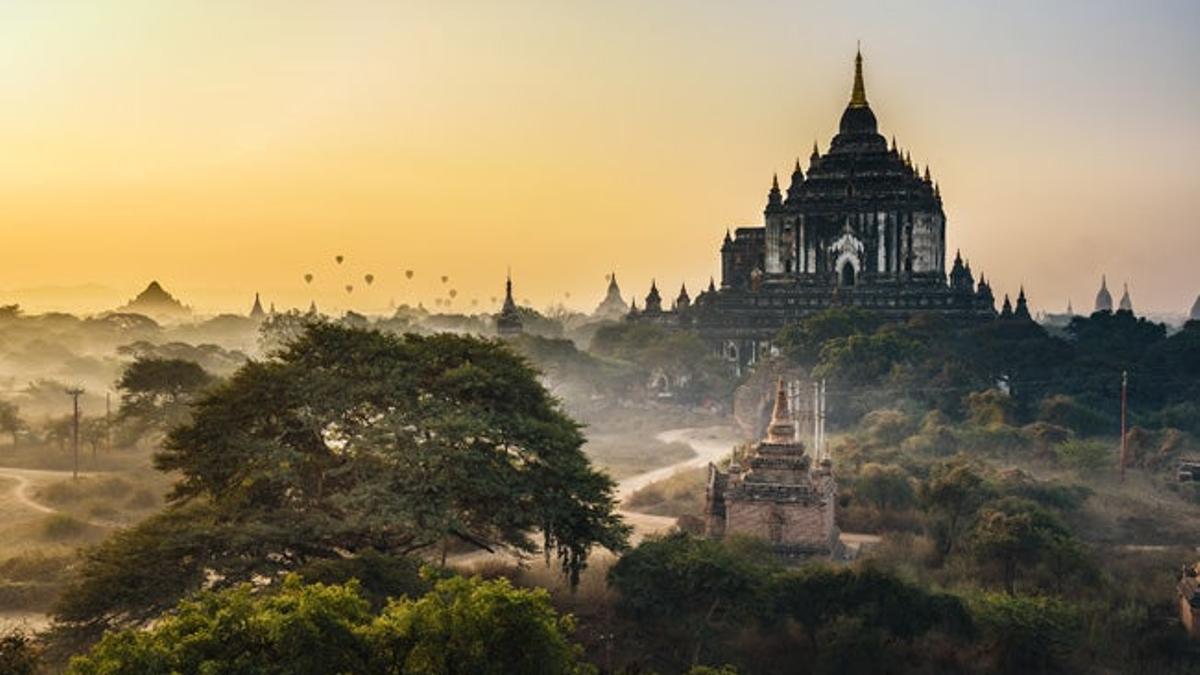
459	626
349	441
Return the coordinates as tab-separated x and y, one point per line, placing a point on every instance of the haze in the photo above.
224	148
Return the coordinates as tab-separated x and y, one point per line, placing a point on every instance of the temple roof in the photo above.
860	168
1104	301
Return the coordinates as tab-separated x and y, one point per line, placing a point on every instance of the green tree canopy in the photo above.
350	441
460	626
156	393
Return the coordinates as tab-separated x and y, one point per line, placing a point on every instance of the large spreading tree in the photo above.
347	441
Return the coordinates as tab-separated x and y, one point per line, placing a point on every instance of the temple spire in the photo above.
781	430
858	97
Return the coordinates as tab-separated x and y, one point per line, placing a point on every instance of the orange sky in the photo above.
224	147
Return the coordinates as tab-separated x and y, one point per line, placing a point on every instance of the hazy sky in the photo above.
227	146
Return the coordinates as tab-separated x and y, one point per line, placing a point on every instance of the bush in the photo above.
1086	454
1026	634
460	626
60	526
1065	411
887	427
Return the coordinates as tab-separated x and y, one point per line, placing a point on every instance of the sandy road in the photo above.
26	479
709	443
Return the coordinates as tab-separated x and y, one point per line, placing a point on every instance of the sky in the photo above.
225	147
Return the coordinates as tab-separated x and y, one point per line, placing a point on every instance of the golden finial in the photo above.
858	97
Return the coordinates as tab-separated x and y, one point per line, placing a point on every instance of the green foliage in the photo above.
379	576
990	408
886	486
349	441
1065	411
690	588
887	427
1087	454
679	355
156	393
460	626
863	360
474	626
951	496
1013	533
1027	634
802	342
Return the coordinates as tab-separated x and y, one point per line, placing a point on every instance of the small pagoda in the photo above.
776	494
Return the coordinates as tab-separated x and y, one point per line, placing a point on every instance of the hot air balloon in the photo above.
408	273
474	302
339	259
494	298
567	295
370	279
349	288
445	278
308	278
453	293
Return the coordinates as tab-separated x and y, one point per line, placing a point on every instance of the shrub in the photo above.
887	427
1064	411
1086	454
60	526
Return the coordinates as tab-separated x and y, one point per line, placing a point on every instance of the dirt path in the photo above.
26	479
709	443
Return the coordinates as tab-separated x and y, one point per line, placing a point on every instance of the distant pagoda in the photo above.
156	302
1104	301
256	312
613	306
508	321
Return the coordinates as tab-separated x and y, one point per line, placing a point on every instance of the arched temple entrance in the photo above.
847	274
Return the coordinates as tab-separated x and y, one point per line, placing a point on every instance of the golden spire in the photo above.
781	430
858	97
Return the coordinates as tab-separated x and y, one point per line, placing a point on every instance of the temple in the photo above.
508	321
777	495
613	306
1104	302
862	228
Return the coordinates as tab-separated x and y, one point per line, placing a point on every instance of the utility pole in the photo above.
108	421
824	449
75	393
816	420
1124	413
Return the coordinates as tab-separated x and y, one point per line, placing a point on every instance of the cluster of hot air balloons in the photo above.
409	274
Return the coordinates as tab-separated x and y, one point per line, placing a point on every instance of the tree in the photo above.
690	588
461	626
1026	634
10	420
951	496
1014	532
802	342
156	393
350	441
474	626
886	486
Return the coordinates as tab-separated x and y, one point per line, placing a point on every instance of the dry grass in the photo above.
681	494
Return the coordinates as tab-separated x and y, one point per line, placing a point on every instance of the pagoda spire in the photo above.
816	154
781	430
858	97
